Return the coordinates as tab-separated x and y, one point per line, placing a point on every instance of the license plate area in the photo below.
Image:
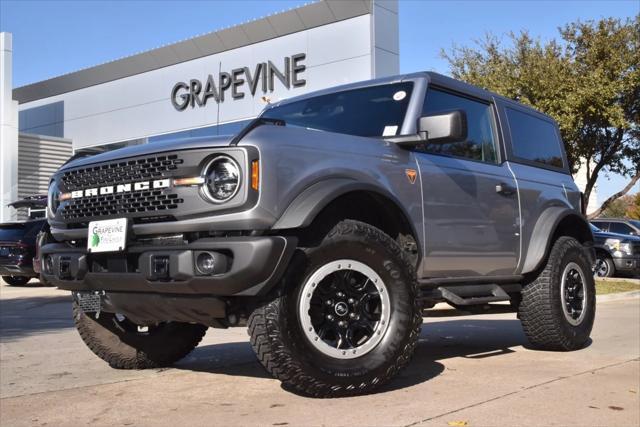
89	302
107	236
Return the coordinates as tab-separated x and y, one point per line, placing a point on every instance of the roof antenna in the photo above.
219	100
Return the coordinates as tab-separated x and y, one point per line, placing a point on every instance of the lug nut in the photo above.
351	300
352	315
329	302
329	317
342	324
339	294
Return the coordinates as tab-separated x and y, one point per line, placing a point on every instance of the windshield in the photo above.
635	222
373	111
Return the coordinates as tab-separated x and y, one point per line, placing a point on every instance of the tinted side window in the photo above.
604	226
618	227
534	139
480	143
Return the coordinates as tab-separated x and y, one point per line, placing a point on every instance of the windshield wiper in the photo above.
259	121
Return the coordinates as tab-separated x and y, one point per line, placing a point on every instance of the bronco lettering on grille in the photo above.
122	188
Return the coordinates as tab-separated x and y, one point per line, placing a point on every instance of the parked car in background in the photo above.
616	253
18	242
618	225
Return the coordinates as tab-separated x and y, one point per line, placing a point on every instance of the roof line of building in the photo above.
309	16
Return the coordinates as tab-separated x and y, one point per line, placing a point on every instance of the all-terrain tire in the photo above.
284	350
16	280
541	310
118	342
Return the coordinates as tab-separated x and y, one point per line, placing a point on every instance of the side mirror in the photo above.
443	128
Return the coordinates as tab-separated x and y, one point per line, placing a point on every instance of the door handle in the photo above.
505	189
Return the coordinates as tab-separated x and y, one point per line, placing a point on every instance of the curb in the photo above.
619	279
618	296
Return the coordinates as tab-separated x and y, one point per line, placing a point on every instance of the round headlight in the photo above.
53	201
223	179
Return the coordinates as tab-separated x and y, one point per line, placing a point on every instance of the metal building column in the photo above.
8	131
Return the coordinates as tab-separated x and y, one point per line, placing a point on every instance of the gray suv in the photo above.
327	226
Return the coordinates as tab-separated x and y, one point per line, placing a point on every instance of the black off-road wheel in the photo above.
125	345
345	318
16	280
558	307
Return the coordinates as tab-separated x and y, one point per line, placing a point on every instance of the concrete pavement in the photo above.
471	369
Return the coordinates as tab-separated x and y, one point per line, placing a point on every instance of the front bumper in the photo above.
629	264
16	270
250	266
17	265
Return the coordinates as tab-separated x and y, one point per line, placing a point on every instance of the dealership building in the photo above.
207	85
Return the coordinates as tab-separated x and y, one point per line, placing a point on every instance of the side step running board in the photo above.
473	294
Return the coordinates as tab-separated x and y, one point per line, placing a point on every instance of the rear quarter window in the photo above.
534	139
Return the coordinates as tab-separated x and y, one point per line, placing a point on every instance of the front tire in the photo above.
345	317
16	280
558	307
124	345
604	266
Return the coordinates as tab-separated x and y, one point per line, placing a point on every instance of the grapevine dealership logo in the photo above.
238	81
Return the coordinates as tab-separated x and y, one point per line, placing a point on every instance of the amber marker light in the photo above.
195	180
64	196
255	175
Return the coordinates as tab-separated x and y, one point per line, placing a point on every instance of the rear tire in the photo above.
118	341
558	307
298	344
16	280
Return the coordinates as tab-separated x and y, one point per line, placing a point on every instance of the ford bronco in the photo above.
327	226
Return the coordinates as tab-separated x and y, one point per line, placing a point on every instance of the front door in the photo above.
470	198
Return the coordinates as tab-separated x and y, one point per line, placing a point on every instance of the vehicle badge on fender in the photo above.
411	175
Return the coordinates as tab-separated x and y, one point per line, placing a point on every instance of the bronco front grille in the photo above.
152	201
121	172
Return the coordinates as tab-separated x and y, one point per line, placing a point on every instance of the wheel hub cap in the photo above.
344	309
573	293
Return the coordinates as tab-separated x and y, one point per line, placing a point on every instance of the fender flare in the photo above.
543	231
309	203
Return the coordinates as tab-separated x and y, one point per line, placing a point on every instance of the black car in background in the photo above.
18	242
616	253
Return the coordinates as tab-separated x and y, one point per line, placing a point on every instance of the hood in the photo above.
151	148
622	237
33	202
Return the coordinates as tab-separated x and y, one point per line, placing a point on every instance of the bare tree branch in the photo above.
617	195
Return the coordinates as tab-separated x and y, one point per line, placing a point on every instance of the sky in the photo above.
51	37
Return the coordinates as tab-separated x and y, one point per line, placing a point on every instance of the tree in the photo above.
618	208
589	82
633	211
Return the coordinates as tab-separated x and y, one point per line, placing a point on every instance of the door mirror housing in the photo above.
443	128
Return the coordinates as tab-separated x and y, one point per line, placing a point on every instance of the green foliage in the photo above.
633	210
618	208
589	81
